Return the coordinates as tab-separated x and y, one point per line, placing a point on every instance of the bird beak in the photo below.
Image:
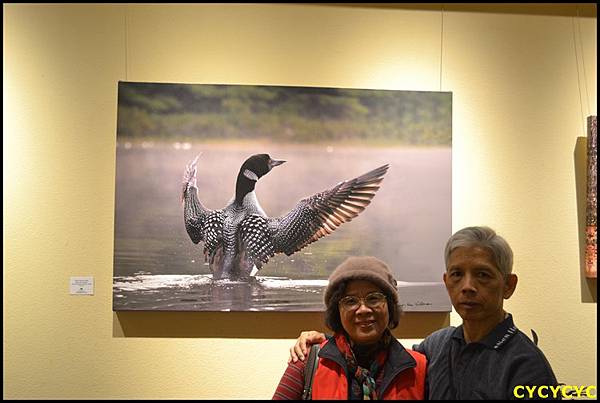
274	163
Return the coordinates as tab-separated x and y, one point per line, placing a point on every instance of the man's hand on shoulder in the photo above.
300	349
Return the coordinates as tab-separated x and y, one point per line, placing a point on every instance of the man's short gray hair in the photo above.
483	237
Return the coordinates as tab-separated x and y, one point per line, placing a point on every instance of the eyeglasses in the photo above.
373	300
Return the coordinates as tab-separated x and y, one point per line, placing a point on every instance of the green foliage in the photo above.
290	114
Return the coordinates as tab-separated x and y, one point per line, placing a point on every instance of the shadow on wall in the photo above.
589	290
259	325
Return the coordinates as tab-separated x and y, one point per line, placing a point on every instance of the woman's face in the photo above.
366	322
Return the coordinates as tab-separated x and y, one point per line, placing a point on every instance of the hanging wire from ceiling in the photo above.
126	45
587	95
578	75
441	43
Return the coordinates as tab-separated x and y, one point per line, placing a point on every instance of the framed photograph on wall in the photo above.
591	230
366	172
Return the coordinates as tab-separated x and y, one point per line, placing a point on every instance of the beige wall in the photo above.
519	102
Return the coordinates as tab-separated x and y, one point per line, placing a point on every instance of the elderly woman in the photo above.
362	360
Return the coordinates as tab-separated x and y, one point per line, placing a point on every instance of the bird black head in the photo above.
258	165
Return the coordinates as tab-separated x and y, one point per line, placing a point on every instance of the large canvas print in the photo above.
246	197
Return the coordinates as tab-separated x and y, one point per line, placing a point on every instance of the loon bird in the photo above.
240	238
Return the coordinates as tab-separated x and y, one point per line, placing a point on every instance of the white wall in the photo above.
517	122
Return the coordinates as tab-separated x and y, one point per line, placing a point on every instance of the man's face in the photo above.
476	287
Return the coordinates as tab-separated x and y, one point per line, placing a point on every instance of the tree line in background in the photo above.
197	112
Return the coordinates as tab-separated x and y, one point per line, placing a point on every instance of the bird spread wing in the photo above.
201	224
312	218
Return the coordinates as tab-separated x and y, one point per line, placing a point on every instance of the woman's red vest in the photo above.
330	381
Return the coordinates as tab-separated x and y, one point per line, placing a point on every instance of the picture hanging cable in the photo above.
587	95
126	45
578	79
441	43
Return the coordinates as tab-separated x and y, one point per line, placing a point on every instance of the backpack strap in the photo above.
309	371
535	337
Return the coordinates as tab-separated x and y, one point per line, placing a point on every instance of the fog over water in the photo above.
156	266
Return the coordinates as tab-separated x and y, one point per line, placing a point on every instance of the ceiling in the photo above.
557	9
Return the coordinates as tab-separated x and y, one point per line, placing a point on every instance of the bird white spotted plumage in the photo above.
240	238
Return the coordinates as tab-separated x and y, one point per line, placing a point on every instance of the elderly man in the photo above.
486	357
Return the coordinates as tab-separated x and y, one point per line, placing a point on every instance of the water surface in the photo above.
156	266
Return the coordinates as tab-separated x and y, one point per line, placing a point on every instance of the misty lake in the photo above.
157	267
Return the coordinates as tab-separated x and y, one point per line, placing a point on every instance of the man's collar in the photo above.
497	338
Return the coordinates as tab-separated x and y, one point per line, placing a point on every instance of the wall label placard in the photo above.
82	285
